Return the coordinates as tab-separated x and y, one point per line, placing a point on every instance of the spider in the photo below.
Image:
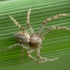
32	41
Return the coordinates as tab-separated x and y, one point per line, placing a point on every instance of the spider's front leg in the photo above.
44	59
30	56
54	28
50	19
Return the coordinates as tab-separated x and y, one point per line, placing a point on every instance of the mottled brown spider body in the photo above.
32	41
35	40
22	37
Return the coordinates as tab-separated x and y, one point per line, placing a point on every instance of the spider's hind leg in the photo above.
10	47
17	24
21	54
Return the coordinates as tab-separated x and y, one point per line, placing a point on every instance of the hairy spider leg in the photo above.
11	47
38	54
54	28
30	56
17	24
42	58
50	19
28	22
21	54
47	60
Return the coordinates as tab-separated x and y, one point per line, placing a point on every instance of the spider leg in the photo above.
38	54
42	58
17	24
47	60
50	19
28	22
21	54
11	47
22	50
54	28
30	56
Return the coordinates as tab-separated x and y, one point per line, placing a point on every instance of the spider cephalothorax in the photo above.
32	41
35	40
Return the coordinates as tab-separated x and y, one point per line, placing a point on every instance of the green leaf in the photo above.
56	43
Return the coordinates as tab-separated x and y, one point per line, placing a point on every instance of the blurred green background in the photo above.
61	64
56	43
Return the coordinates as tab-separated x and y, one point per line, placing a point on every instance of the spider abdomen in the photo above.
22	37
